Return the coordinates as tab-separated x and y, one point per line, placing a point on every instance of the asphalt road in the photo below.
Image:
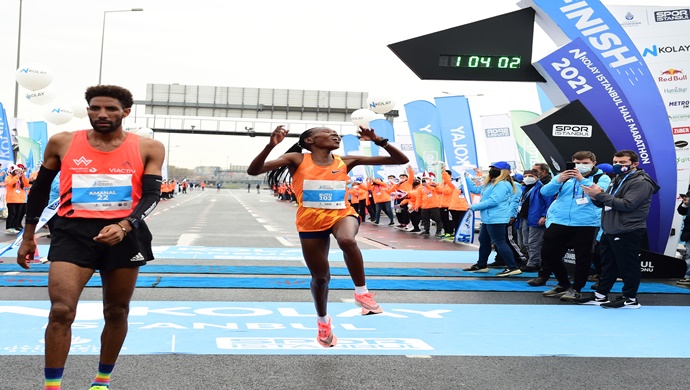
240	219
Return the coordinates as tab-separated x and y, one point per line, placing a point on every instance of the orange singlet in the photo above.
320	194
98	184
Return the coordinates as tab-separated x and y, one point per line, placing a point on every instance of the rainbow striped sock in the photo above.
53	378
103	376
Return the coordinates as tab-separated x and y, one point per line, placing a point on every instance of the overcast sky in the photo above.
301	44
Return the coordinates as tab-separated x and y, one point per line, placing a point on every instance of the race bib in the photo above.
324	194
102	192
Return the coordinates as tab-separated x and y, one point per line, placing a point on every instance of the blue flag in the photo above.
38	131
6	152
425	128
457	133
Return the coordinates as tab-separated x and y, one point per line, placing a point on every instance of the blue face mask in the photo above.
620	169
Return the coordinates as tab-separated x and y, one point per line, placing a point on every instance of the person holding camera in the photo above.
572	221
625	203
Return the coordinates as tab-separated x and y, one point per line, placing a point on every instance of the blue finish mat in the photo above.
276	270
504	285
403	329
460	254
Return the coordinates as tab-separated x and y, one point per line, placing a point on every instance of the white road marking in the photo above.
418	356
173	344
11	273
284	241
187	239
259	220
270	228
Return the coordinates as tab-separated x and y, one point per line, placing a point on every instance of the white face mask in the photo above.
529	180
583	168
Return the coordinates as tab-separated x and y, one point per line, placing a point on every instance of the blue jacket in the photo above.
538	205
566	210
498	203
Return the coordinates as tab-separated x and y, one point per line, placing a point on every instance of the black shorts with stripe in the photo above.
72	242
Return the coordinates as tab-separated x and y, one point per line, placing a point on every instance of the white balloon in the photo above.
34	76
362	117
42	96
145	132
379	116
380	104
58	113
79	109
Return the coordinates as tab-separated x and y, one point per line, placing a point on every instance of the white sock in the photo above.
361	289
600	296
323	320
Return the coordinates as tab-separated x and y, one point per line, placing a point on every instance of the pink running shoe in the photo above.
368	304
326	337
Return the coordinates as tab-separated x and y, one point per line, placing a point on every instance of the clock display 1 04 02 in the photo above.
480	61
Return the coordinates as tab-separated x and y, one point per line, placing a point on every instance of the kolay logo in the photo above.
672	75
580	131
672	15
656	50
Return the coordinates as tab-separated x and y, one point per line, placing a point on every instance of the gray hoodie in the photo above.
626	208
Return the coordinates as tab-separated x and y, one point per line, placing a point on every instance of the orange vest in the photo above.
310	219
98	184
15	193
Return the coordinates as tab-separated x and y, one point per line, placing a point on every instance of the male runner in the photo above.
109	182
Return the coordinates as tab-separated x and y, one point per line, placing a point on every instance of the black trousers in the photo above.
362	209
15	215
403	215
415	217
557	240
511	239
620	256
445	220
457	216
428	215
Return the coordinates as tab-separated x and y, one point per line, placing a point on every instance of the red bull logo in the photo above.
672	75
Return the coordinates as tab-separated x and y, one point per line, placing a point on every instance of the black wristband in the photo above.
383	142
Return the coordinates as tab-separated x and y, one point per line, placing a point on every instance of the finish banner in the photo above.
457	133
605	58
425	128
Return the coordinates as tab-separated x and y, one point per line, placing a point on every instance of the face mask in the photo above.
529	180
583	168
494	172
620	169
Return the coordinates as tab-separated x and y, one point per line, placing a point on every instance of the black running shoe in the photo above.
622	303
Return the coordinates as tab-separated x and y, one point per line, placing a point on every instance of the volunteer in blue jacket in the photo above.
497	206
532	219
572	222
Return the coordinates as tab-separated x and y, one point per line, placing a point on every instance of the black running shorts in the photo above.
72	242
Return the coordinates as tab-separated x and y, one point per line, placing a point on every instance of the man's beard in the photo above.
113	126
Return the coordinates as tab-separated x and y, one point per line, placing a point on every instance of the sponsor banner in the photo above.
38	131
425	127
500	141
457	133
384	129
527	151
606	41
6	152
351	147
667	54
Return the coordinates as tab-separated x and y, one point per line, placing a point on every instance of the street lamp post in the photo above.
100	66
19	45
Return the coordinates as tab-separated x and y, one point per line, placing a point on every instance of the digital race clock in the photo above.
478	61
